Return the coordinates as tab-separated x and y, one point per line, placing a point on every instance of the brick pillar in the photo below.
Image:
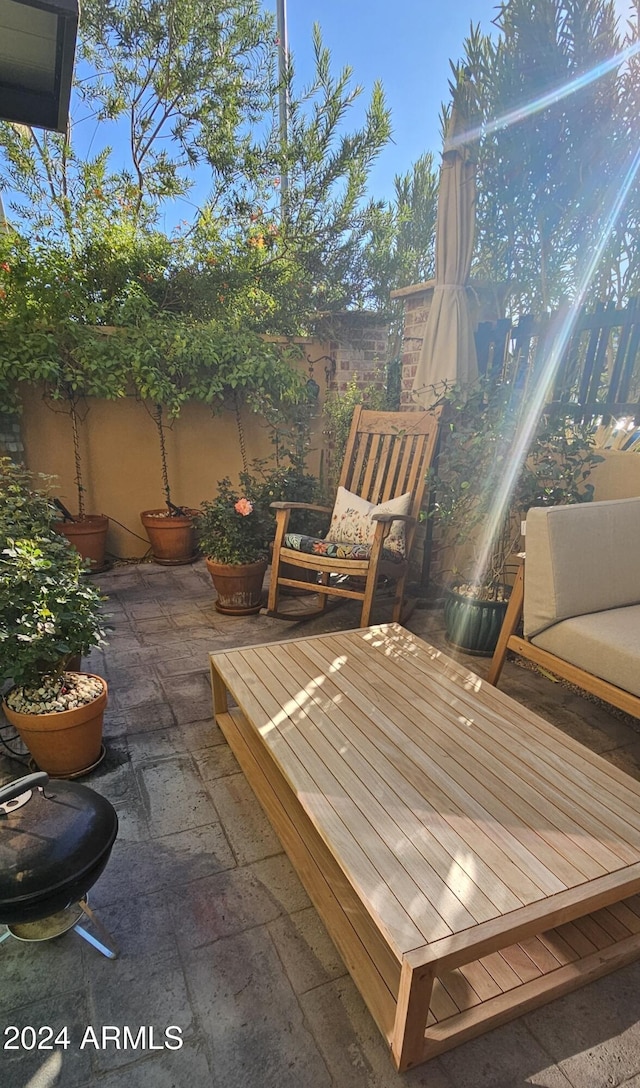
488	305
417	303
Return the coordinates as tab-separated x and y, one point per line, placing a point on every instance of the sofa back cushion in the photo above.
580	559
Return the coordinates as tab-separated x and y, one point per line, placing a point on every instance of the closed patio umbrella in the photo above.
448	351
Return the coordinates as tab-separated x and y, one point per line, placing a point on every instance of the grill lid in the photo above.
59	834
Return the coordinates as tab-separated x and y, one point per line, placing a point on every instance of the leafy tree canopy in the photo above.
548	179
190	86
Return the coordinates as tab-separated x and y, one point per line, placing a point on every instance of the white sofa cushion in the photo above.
605	644
580	559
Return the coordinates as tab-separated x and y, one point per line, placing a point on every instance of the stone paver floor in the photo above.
217	935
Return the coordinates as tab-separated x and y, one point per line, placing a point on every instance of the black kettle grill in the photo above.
55	840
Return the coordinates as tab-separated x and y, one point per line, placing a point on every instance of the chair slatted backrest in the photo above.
388	454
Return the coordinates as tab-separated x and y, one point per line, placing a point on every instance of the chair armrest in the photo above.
407	518
300	506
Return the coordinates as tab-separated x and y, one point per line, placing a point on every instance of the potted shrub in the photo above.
233	531
495	463
170	528
49	338
167	353
87	532
48	616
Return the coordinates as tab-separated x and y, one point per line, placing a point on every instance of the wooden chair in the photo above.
388	454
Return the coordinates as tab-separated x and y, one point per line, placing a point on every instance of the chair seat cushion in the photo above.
605	644
335	549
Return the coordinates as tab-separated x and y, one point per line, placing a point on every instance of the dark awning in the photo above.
37	48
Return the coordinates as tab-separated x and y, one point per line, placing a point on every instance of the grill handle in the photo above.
21	785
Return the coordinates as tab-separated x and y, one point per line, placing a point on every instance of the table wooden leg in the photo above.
220	693
414	998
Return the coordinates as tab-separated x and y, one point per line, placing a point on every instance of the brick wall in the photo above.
359	346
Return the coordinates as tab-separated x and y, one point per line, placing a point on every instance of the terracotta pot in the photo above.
65	743
238	585
172	538
88	536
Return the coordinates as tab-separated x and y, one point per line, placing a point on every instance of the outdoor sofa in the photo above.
578	595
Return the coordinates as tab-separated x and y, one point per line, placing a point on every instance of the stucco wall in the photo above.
121	458
618	476
119	442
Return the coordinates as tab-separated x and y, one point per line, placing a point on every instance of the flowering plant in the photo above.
234	527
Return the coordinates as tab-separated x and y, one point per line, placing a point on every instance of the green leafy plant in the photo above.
234	527
499	456
292	484
25	510
48	613
544	187
285	229
284	477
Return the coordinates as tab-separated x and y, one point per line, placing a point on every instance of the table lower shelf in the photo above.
464	1002
480	995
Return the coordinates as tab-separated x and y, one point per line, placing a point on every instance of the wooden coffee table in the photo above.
469	860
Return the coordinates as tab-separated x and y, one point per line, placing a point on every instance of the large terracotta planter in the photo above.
65	743
172	538
238	585
472	625
89	536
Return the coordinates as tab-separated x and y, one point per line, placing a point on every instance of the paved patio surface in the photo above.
217	935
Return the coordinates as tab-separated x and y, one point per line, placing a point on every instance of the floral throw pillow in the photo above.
352	523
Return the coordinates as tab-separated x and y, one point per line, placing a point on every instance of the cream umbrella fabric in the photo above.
448	351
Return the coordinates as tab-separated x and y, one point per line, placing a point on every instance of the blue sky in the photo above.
406	46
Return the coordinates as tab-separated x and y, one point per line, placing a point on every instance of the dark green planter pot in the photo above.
473	626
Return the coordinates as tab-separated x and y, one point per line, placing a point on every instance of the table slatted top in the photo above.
446	804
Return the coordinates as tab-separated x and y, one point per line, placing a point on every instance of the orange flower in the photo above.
244	507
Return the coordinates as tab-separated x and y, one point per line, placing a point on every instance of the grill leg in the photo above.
107	946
